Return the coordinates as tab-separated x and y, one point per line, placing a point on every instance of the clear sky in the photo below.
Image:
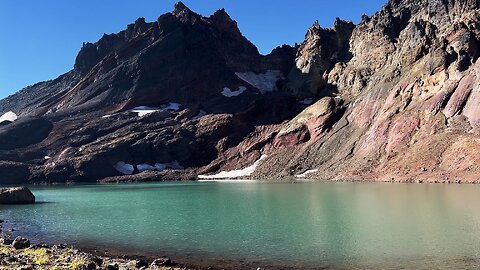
41	38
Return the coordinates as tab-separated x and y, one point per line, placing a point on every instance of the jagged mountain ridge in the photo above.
180	68
396	98
146	61
409	91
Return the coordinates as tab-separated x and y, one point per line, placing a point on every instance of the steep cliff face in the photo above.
182	57
407	98
168	94
393	98
321	49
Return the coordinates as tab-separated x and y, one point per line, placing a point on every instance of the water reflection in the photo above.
341	225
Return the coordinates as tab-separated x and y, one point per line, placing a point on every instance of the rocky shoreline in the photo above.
63	256
18	253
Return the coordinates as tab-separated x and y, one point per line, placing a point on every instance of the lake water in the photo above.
303	225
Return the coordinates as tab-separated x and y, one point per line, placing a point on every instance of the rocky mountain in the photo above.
393	98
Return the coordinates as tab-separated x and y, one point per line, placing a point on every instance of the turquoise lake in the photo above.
272	225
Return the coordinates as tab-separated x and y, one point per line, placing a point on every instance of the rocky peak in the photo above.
221	15
86	58
184	14
312	32
321	50
223	22
180	7
342	26
137	28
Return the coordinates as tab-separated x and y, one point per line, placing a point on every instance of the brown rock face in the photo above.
321	49
410	101
394	98
181	69
19	195
410	91
308	125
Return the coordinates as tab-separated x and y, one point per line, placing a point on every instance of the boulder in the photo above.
113	266
91	266
161	262
141	263
6	241
21	243
17	195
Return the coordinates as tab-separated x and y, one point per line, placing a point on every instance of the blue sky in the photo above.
41	38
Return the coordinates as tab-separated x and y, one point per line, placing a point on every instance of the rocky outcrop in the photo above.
409	89
317	55
309	124
18	195
407	95
24	132
20	243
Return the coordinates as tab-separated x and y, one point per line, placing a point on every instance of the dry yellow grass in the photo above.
45	258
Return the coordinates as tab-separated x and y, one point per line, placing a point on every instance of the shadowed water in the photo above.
306	225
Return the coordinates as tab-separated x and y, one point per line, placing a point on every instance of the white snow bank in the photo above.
201	114
8	116
307	101
303	175
144	110
229	180
124	168
236	173
229	93
265	82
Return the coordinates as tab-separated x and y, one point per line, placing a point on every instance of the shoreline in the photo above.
247	180
90	252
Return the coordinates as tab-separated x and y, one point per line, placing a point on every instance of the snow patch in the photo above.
8	116
307	101
265	82
236	173
236	181
201	114
144	110
124	168
303	175
229	93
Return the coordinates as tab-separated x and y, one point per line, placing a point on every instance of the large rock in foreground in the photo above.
17	195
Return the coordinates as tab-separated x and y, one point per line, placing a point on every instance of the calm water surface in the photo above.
306	225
